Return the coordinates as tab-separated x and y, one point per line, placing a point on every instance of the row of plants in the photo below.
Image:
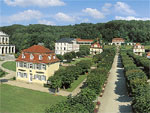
65	76
2	73
141	61
137	85
83	102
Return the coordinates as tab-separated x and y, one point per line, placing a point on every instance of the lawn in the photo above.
20	100
10	65
147	47
79	59
76	83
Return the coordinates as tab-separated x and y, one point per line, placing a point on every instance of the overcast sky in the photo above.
66	12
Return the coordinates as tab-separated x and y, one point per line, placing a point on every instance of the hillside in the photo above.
25	36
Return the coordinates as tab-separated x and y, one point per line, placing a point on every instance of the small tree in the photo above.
78	54
73	54
84	65
55	82
85	50
68	57
60	57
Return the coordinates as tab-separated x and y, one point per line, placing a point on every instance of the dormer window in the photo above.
31	57
54	57
40	57
49	57
23	56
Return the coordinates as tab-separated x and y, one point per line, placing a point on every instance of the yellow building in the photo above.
36	64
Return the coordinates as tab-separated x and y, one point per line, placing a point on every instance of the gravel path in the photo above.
36	87
10	74
115	98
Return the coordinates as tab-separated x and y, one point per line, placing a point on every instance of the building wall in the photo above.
138	51
5	48
62	48
50	69
95	51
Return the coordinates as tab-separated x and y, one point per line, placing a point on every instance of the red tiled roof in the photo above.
138	44
84	40
39	51
97	44
148	54
117	39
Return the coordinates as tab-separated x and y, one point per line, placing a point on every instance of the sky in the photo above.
70	12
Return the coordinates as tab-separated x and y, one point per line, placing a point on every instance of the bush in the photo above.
136	83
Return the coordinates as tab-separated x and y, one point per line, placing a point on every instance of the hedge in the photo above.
137	84
83	102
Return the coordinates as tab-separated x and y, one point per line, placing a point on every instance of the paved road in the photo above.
115	98
10	74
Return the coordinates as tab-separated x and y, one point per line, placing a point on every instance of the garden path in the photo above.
115	98
10	74
36	87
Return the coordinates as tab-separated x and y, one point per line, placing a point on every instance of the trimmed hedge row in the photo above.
64	77
141	61
137	85
83	102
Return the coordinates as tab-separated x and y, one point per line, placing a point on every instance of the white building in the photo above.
5	48
118	41
138	49
66	45
96	48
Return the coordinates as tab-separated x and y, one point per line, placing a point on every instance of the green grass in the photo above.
147	47
79	59
127	47
10	65
20	100
76	83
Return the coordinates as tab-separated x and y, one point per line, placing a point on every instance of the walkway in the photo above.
10	74
115	98
38	87
35	86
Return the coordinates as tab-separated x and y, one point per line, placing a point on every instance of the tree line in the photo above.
26	36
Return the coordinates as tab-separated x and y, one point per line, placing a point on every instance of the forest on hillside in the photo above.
25	36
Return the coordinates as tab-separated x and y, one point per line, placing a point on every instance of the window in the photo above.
20	64
40	77
40	57
31	57
54	57
38	66
24	64
31	66
44	67
23	56
22	75
49	57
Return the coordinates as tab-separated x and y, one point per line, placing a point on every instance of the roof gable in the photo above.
37	49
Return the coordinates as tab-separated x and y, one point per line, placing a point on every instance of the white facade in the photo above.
96	48
138	49
5	48
96	51
65	47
